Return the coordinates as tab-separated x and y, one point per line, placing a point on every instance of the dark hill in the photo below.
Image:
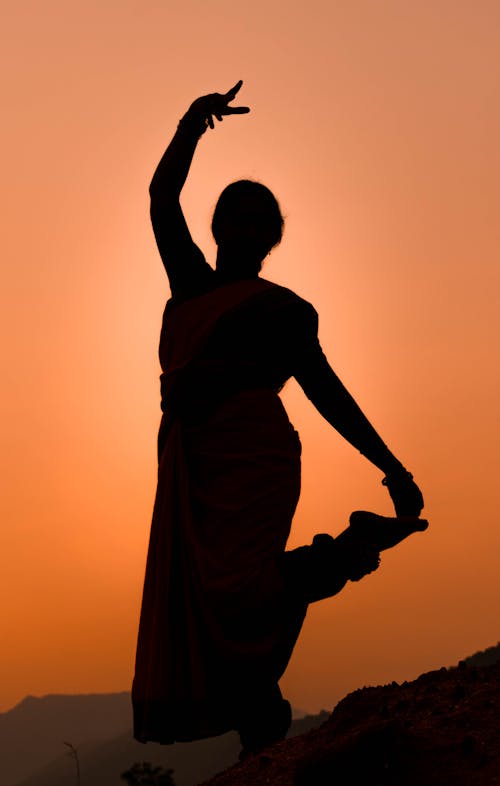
486	657
442	728
103	762
31	733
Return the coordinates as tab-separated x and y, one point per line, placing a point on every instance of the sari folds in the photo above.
216	623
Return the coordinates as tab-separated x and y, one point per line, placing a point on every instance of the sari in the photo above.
217	623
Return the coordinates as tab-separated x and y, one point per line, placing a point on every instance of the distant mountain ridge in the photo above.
32	732
32	752
99	726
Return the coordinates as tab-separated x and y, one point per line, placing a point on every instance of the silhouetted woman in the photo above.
223	602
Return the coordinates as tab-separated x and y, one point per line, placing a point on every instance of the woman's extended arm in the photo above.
185	264
323	387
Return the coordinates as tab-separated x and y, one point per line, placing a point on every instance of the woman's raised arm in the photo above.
185	264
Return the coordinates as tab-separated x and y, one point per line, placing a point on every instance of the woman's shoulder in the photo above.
250	296
288	299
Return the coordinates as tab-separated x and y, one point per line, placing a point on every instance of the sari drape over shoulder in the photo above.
216	622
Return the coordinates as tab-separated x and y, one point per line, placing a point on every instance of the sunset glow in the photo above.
376	125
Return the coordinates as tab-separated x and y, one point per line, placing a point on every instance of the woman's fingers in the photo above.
225	110
216	105
230	96
232	93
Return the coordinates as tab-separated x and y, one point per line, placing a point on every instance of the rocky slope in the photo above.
442	728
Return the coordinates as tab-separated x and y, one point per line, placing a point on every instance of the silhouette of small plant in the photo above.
145	774
74	755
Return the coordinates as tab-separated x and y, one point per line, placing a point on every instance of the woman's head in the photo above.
247	221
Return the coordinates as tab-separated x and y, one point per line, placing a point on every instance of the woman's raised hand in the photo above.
204	109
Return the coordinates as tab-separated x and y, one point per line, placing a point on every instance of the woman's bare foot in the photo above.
384	532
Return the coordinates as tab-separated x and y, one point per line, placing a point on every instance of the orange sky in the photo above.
376	124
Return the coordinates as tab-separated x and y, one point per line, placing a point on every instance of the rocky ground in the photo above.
442	729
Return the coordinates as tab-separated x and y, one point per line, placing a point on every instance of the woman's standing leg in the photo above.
265	718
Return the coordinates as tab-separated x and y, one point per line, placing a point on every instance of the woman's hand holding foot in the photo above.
405	494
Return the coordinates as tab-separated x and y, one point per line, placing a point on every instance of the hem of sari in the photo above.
167	722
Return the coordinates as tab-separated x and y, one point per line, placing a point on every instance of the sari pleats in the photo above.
216	622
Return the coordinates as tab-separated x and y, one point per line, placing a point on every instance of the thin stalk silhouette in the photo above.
74	755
